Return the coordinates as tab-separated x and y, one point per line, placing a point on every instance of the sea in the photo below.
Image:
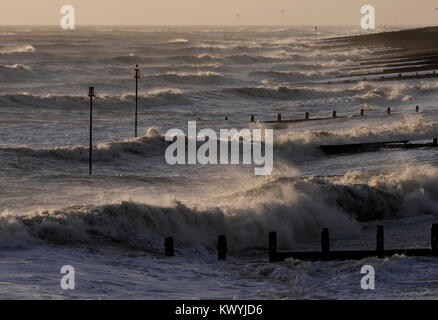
110	227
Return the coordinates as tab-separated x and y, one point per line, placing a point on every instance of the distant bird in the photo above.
283	11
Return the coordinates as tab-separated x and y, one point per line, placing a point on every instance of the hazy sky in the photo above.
218	12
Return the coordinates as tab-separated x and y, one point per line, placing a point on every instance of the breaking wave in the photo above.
302	145
296	208
17	49
291	147
15	72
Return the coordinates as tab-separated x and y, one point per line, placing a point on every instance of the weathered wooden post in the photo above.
168	247
252	118
279	117
435	142
362	112
91	95
136	76
388	110
222	247
334	114
417	108
380	241
325	241
434	238
307	116
272	246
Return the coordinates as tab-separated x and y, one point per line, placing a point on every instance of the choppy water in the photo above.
110	227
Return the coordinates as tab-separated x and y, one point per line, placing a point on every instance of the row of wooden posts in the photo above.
325	253
334	115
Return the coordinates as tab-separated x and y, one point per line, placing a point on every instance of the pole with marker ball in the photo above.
91	95
136	76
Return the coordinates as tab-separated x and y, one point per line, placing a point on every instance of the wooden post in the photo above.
334	114
222	247
252	118
168	247
388	110
279	117
362	112
90	159
435	142
417	108
325	241
380	241
272	246
136	76
307	116
434	239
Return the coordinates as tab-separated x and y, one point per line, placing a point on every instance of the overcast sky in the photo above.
218	12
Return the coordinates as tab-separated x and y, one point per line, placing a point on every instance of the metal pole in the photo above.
91	95
136	76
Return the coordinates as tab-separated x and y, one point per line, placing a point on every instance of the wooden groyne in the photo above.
374	146
396	55
334	115
326	254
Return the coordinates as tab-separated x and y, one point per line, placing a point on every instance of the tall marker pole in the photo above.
136	76
91	95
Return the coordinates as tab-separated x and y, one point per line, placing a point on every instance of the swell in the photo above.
363	92
162	97
284	76
152	144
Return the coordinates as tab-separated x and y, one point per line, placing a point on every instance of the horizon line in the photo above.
216	25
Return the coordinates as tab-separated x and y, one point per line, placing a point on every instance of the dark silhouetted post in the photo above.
222	247
316	34
168	247
136	76
252	118
279	117
91	95
334	114
325	241
380	241
434	238
362	112
388	110
272	246
435	142
307	116
417	108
